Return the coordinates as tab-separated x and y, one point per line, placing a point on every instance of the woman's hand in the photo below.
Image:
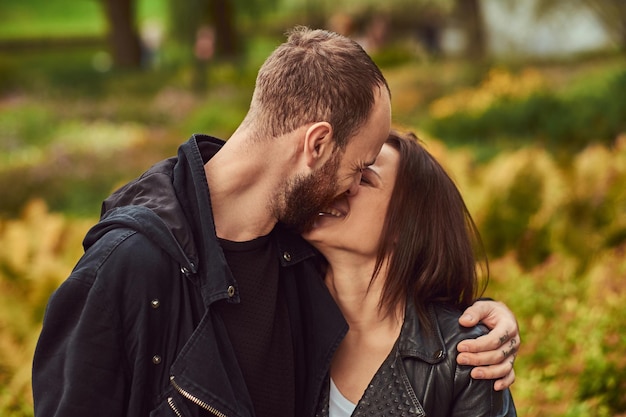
494	353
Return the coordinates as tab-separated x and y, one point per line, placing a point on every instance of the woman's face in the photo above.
353	223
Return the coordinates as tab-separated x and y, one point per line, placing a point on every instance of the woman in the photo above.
402	282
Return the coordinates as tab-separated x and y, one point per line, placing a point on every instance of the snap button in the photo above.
155	303
287	256
438	354
156	359
184	270
231	291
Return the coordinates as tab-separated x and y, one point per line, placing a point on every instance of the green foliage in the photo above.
394	55
558	119
555	228
72	165
62	18
509	215
604	382
8	74
546	229
24	126
568	302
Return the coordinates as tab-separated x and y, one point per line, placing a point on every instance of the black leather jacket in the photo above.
132	333
420	377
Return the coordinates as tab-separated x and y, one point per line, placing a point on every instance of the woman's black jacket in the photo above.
422	378
132	332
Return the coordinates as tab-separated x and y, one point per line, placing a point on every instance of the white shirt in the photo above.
338	405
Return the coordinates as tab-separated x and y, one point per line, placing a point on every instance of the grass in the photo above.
59	18
30	19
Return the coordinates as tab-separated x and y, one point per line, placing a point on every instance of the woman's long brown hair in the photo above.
429	238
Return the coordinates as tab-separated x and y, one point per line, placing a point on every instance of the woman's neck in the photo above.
373	330
358	297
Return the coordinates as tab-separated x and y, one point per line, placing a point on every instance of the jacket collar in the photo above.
192	190
190	179
292	248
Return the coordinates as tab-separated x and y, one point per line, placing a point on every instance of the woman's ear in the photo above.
319	144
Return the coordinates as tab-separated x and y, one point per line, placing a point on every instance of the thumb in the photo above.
474	313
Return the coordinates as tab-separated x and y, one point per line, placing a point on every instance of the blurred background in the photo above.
523	101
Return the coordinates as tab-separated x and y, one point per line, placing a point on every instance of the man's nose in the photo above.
354	187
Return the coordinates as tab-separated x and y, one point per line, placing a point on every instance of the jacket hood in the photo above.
144	221
155	190
164	201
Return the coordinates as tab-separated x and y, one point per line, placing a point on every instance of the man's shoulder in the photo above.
122	258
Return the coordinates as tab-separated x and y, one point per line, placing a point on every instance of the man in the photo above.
194	296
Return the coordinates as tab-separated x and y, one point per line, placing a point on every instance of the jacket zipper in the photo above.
172	405
193	399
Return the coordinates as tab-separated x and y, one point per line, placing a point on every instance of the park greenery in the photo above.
538	149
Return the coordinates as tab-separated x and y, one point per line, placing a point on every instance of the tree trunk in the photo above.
469	16
123	36
223	15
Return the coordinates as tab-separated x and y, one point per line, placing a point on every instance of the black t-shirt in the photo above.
259	327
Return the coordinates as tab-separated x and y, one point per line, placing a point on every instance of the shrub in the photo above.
525	109
38	251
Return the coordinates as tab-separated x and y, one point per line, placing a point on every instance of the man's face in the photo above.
363	148
307	196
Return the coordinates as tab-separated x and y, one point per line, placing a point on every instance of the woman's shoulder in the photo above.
447	319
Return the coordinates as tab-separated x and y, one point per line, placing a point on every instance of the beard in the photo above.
304	197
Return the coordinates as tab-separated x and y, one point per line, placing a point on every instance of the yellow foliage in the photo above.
38	251
499	84
569	306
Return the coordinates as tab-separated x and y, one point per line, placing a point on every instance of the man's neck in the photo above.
242	182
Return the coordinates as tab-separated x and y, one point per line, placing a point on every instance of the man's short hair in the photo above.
316	75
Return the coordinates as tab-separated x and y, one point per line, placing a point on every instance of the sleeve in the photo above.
87	356
78	367
477	397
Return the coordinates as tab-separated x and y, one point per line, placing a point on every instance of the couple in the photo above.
195	297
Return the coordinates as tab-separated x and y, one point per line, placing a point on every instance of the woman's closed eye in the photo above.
370	178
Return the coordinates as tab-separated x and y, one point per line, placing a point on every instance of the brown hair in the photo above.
429	238
316	75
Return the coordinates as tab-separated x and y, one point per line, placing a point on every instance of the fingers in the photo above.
504	383
472	315
503	372
490	358
501	384
494	364
505	341
493	354
498	318
491	313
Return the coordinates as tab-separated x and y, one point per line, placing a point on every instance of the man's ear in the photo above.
319	144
